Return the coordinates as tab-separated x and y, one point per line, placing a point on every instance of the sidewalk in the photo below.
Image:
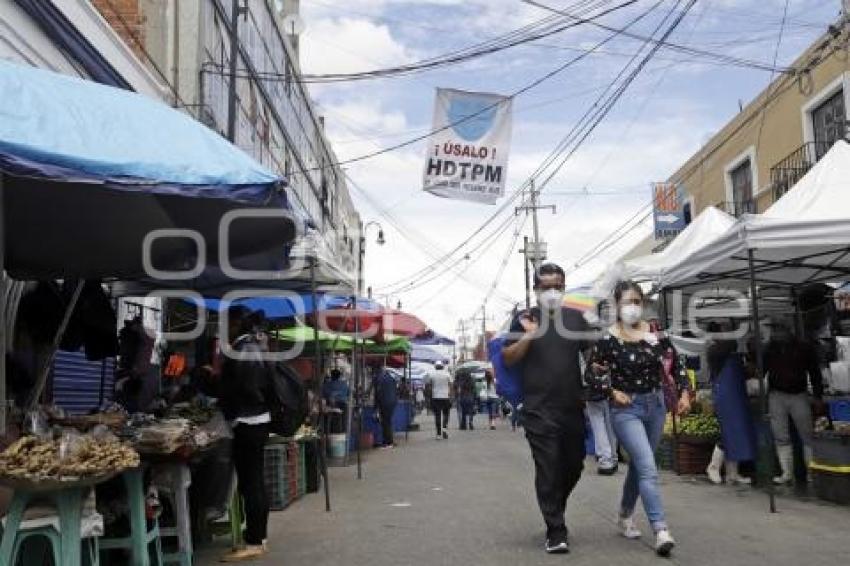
470	500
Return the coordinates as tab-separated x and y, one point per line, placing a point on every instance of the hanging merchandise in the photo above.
468	151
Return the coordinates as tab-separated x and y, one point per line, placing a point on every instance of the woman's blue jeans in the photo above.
638	428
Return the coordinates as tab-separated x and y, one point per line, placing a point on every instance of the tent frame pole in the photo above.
318	379
665	319
360	384
44	372
765	406
3	312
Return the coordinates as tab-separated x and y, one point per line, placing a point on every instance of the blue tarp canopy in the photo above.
290	304
88	171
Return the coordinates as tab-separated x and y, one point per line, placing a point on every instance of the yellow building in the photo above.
778	137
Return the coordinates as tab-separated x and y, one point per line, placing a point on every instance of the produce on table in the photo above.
701	426
34	458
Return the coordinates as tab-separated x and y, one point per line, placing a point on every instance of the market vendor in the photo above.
790	365
335	392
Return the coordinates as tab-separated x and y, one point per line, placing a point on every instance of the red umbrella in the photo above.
373	324
403	324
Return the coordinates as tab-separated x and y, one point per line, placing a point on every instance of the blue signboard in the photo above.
668	204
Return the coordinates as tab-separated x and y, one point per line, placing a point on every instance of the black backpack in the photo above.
287	401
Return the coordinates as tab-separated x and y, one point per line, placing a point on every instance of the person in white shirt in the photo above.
441	401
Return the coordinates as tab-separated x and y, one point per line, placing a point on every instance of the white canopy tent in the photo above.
803	238
702	232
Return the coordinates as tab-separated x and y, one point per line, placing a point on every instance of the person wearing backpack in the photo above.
546	341
246	405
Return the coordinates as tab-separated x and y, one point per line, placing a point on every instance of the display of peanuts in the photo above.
34	458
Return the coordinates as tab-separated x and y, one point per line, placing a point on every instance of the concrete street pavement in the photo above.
470	500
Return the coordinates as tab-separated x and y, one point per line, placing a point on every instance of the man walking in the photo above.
441	403
547	340
386	398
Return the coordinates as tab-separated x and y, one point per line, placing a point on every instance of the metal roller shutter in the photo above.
79	385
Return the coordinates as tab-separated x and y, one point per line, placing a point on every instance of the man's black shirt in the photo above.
551	373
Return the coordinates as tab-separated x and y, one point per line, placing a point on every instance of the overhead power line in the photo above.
736	61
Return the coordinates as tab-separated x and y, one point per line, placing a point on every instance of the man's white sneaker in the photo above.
664	543
628	528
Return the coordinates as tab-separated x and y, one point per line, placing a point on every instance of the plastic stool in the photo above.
140	537
90	545
69	503
178	478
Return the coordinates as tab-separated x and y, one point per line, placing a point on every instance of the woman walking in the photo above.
627	369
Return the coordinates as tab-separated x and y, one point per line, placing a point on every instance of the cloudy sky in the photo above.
668	113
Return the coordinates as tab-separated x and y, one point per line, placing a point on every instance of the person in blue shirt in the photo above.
335	392
386	398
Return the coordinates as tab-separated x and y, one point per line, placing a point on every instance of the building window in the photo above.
742	187
828	122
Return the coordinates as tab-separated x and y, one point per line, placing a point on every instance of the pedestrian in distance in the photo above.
548	340
386	399
466	399
246	405
491	398
627	368
441	402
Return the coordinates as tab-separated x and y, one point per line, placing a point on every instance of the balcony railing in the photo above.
739	207
792	168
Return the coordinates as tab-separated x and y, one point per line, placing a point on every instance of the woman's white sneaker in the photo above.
628	528
664	543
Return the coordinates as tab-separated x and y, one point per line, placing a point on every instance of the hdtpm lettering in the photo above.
474	172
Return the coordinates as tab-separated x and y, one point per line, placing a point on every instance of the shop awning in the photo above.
89	171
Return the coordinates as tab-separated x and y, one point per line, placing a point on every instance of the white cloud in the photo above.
350	45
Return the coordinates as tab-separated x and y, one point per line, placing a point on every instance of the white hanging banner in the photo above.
468	151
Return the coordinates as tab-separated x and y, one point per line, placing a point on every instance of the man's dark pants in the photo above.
558	461
386	415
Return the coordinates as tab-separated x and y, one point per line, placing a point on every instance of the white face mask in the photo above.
631	314
550	299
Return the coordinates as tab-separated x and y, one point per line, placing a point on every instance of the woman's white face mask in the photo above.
550	299
631	314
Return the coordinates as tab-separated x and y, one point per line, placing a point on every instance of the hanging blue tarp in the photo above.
89	172
286	306
64	128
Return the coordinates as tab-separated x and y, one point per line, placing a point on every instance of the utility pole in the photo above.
538	252
524	252
462	338
236	11
483	329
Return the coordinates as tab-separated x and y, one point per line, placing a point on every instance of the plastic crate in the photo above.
831	449
274	474
839	410
832	486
